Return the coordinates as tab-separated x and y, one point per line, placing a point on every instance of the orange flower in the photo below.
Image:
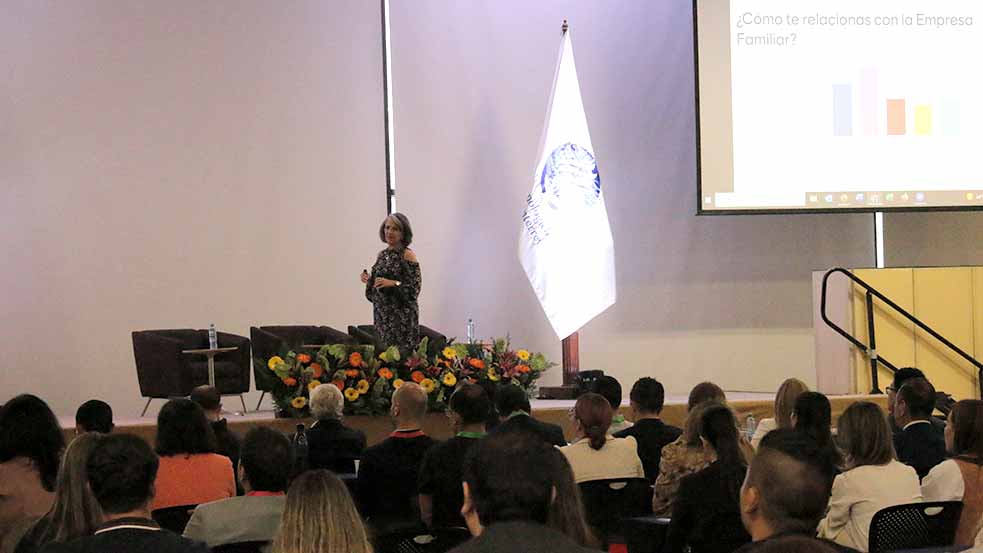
476	363
303	358
385	373
417	376
318	370
523	368
351	373
290	381
340	384
355	359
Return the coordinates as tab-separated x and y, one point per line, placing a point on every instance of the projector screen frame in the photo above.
700	211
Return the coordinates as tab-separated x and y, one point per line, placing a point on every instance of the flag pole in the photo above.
571	344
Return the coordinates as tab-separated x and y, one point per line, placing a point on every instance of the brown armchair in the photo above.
165	371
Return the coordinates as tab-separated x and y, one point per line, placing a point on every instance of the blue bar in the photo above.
842	110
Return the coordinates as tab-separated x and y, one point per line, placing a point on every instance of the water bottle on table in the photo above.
212	337
750	426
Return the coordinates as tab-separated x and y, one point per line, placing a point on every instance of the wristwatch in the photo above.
398	283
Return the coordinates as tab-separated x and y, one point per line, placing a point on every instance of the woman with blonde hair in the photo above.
784	404
75	512
320	517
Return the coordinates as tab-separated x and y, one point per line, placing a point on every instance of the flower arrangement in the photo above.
367	380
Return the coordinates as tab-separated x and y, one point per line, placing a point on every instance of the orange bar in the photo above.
895	117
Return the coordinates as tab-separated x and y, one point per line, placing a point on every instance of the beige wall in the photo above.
172	164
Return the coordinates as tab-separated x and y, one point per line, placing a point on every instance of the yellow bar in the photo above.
923	120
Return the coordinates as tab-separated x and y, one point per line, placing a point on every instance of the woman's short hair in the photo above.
865	435
703	392
320	517
967	429
327	402
183	428
76	511
29	429
785	401
594	413
403	222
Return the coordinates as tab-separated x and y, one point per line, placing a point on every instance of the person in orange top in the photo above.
190	471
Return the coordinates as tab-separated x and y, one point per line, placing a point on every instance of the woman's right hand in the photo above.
365	276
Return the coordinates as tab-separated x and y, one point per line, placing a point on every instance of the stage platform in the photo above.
555	411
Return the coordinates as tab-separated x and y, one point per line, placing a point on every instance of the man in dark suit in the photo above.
387	494
920	444
121	472
786	490
508	494
515	412
264	471
330	444
902	375
647	398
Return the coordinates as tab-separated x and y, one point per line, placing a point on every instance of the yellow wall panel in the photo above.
894	334
944	301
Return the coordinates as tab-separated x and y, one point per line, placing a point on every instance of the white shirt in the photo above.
944	482
617	459
859	493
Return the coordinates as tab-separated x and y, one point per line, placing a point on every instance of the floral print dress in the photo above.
394	310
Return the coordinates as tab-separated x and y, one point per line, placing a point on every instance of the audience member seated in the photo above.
706	516
961	477
786	490
799	544
594	454
687	454
647	398
330	444
31	443
210	401
440	473
812	416
121	472
873	479
190	470
320	517
387	474
610	389
920	444
94	416
264	468
507	504
75	512
513	408
567	514
784	401
901	376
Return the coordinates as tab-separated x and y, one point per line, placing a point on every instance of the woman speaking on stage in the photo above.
394	285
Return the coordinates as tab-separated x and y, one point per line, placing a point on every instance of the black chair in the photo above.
268	341
420	540
173	518
915	526
165	371
241	547
645	534
608	502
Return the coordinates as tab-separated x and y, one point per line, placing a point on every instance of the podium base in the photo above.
558	392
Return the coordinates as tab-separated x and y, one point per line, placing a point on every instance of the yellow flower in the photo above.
362	386
428	385
274	361
492	375
449	379
313	384
522	354
351	394
298	402
397	383
449	353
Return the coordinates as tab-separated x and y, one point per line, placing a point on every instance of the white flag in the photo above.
565	246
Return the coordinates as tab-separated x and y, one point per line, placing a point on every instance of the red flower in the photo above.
318	370
303	358
290	381
476	363
417	376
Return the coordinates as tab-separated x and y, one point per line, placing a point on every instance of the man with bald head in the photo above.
387	474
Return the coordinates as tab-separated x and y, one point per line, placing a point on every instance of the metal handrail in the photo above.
871	350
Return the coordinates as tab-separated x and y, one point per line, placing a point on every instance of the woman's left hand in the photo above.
383	283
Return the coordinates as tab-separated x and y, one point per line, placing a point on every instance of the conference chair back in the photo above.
914	526
608	502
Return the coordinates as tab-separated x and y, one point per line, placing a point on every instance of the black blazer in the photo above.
706	515
652	435
127	540
550	433
332	445
921	446
520	537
